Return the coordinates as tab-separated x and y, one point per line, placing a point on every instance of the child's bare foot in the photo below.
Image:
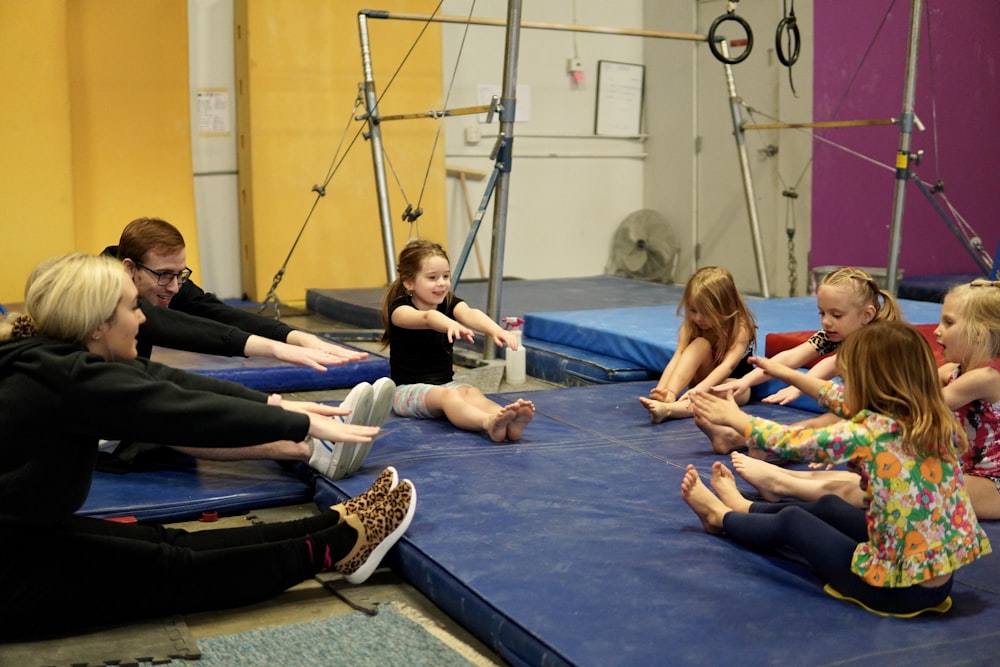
703	502
763	476
496	424
658	410
724	484
524	414
766	456
724	439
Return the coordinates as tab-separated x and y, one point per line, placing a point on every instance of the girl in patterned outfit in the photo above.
423	318
848	298
896	556
969	334
715	341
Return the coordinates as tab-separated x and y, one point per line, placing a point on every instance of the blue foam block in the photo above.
272	375
179	488
571	366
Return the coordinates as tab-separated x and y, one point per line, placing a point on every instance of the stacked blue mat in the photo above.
645	337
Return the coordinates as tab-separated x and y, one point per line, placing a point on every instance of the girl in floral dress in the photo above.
897	555
969	335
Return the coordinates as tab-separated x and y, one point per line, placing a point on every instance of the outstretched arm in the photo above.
794	357
807	384
824	369
729	362
718	410
408	317
480	321
660	391
311	341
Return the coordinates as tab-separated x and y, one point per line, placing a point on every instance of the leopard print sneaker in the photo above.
377	492
379	528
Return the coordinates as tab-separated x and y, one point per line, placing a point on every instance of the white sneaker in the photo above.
384	394
334	459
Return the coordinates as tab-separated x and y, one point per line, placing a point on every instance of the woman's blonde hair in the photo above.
713	292
981	317
888	367
865	290
68	297
411	261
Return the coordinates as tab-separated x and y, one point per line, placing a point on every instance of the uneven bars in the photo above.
825	123
568	27
433	113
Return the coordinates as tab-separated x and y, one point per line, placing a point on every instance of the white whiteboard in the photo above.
619	98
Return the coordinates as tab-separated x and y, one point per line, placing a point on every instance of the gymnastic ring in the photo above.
712	41
792	26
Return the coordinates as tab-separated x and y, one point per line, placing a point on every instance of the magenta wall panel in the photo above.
860	61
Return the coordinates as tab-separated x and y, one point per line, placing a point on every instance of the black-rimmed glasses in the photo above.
164	278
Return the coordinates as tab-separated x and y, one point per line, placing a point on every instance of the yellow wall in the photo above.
130	118
95	131
298	70
94	128
36	185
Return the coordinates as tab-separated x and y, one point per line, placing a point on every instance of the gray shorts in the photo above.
411	399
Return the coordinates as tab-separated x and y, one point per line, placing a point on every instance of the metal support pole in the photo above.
375	137
748	192
903	154
508	108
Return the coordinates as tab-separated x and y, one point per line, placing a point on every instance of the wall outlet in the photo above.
574	65
472	135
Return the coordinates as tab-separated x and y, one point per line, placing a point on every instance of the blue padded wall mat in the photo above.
574	547
179	488
272	375
647	335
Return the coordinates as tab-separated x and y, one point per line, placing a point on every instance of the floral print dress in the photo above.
920	519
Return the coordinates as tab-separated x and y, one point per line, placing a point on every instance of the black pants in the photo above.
87	572
826	533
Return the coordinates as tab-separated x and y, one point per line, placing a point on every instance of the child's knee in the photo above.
468	392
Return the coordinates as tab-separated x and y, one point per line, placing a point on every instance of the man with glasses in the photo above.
153	252
181	315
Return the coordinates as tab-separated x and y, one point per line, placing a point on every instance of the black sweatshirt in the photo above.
57	400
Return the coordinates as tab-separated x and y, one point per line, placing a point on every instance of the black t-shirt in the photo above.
421	355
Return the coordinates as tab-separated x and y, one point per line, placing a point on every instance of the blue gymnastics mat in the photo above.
179	488
574	547
272	375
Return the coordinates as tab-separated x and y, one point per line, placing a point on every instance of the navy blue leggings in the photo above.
88	572
826	532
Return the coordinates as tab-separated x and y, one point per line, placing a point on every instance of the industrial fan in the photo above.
644	247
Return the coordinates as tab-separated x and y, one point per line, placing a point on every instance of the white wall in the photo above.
568	194
568	189
213	143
